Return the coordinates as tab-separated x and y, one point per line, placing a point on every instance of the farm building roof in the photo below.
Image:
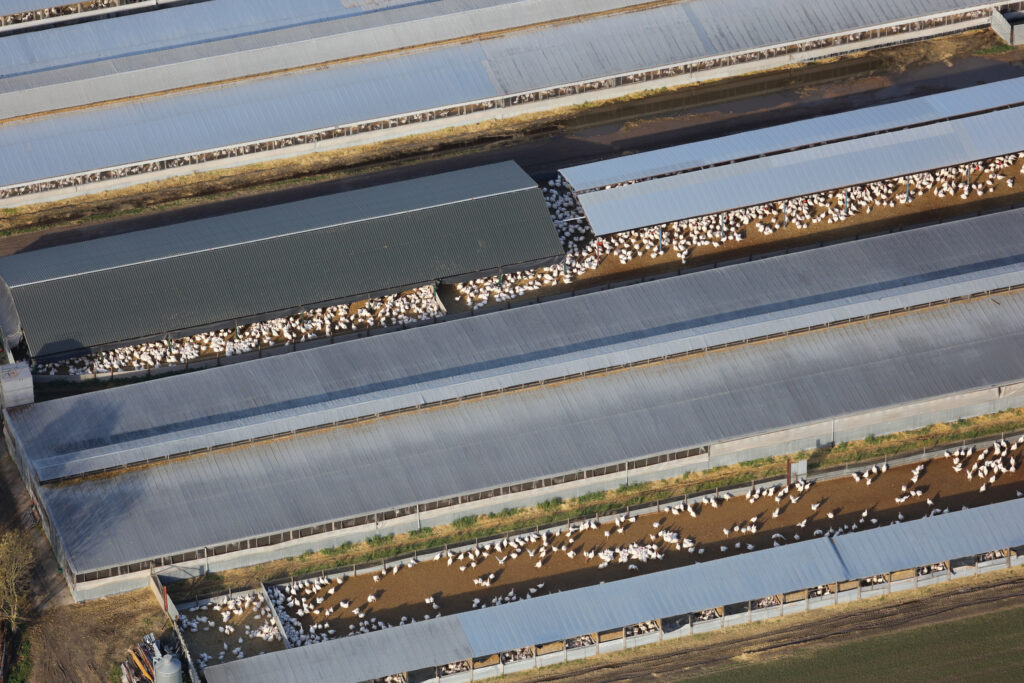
803	133
542	432
134	131
457	358
266	262
805	171
214	42
669	593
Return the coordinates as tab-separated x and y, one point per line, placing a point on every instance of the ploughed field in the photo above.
702	529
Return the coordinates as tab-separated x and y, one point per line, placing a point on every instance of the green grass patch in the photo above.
22	663
988	647
467	522
997	49
590	497
550	504
338	549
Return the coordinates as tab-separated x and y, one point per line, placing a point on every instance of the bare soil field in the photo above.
715	528
252	630
83	642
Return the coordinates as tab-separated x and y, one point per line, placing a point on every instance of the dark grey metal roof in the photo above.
148	421
267	262
805	171
545	431
360	90
859	122
659	595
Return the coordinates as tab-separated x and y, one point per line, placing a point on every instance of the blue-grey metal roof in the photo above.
114	63
158	127
936	539
534	433
660	595
373	655
805	171
363	377
652	596
263	263
170	27
802	133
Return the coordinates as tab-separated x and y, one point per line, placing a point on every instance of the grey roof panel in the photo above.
937	539
242	266
658	595
460	357
525	435
254	225
803	172
152	128
110	73
357	658
811	131
195	23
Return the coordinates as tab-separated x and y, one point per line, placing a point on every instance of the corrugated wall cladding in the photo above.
812	131
660	595
805	171
356	91
275	486
362	377
262	279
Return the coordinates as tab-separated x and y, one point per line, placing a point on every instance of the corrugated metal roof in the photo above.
659	595
206	29
525	435
243	266
460	357
936	539
105	72
195	23
254	225
413	646
805	171
252	110
806	132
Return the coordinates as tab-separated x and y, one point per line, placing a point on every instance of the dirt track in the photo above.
699	655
